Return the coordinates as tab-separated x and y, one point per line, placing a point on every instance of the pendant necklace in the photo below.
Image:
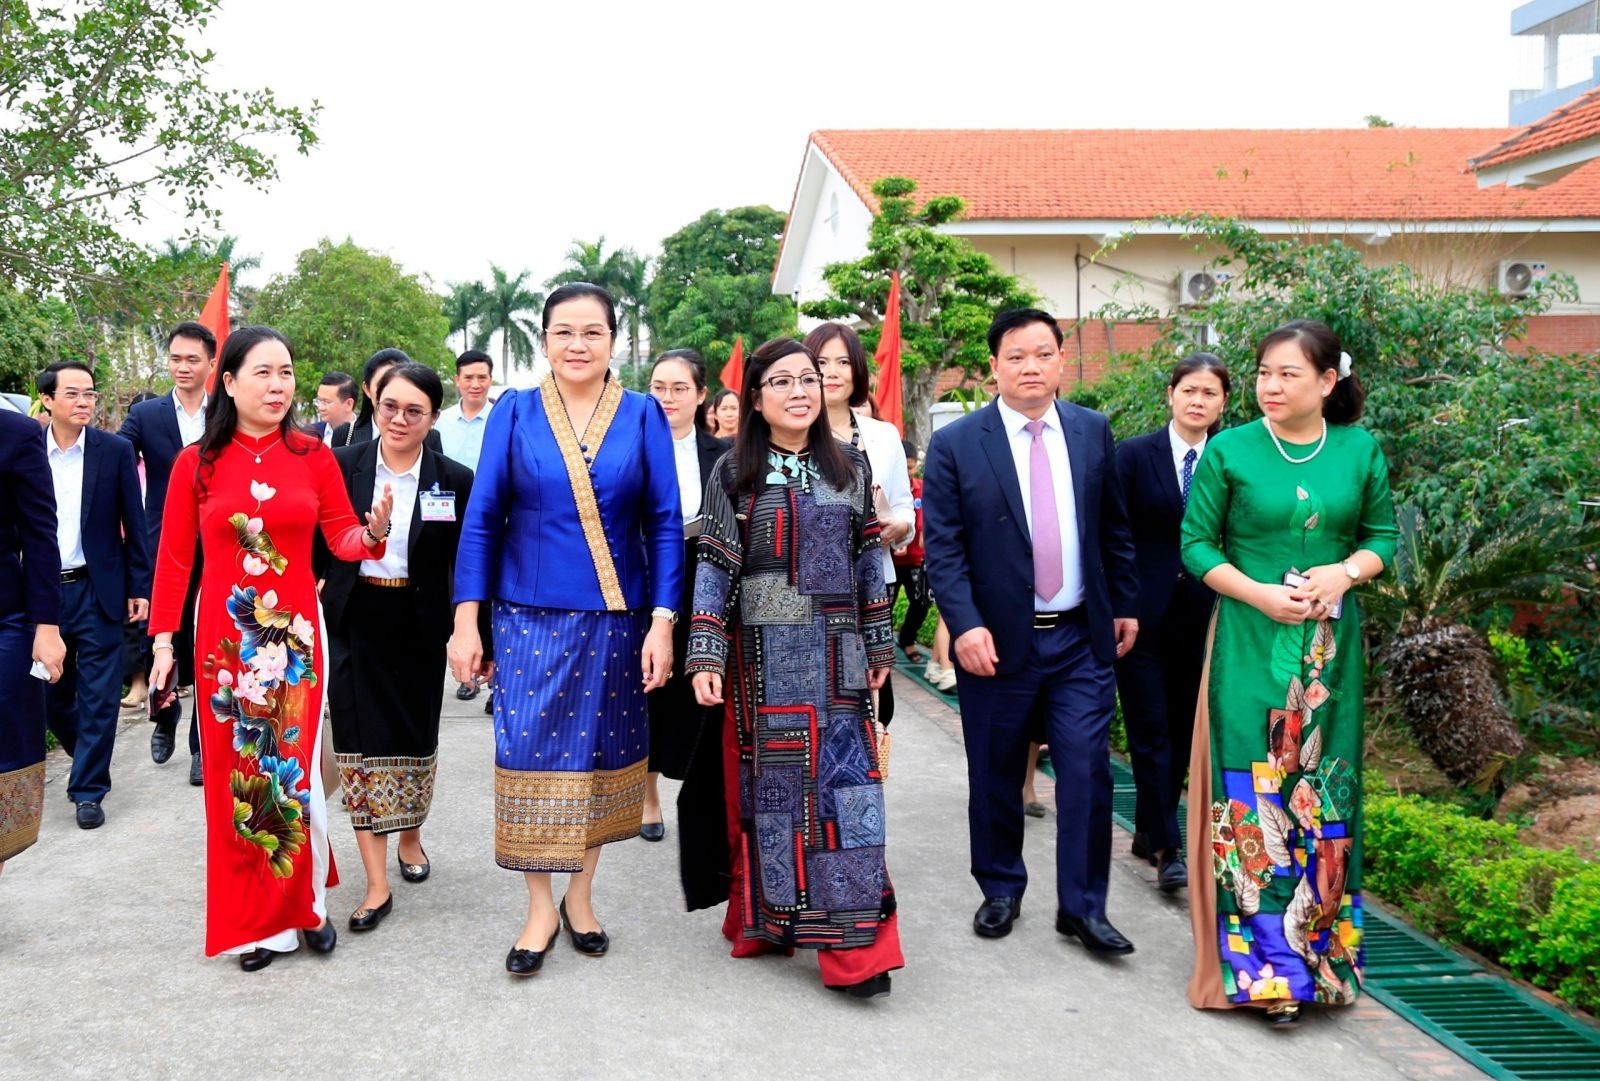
782	465
1296	461
257	454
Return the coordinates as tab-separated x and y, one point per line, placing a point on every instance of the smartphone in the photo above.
1294	580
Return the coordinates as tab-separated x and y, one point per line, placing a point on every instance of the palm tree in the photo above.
1438	666
462	306
622	273
510	308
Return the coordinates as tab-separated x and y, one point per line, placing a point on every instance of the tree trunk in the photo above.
918	390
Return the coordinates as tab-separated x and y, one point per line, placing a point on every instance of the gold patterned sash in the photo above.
578	476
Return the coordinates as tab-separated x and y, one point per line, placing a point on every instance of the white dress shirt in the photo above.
1180	448
395	562
190	429
686	455
462	438
1055	447
66	470
880	442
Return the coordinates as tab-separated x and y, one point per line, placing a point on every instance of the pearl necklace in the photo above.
1296	461
269	446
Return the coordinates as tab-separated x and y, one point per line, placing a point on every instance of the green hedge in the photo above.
1471	881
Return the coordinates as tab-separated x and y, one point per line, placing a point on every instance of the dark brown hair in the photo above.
755	434
859	377
1321	347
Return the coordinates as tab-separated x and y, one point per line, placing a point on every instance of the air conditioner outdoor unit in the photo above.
1197	285
1517	277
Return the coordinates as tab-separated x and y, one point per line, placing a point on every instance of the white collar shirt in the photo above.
1070	595
190	428
686	454
462	438
396	558
1180	449
880	444
66	472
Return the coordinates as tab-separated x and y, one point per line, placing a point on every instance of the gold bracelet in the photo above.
163	645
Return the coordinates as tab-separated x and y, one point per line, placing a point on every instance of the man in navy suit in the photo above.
105	577
336	409
158	430
1032	566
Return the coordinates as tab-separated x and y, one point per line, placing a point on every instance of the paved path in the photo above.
102	973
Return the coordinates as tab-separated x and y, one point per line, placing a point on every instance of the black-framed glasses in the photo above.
414	414
783	384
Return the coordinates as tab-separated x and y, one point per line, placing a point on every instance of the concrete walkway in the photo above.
102	973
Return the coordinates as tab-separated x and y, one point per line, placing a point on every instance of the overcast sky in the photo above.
455	134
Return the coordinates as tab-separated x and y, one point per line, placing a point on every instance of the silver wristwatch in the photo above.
664	613
1352	570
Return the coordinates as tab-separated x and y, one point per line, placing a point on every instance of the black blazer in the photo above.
431	550
975	532
115	539
361	432
1155	512
152	428
30	559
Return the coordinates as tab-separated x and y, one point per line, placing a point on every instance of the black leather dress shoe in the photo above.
871	987
1171	874
996	915
653	831
1095	932
90	816
365	919
161	741
256	960
527	962
466	692
414	872
197	776
590	943
1142	849
322	939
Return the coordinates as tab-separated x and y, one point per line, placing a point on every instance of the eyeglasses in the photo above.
563	336
318	403
783	384
90	396
412	413
674	390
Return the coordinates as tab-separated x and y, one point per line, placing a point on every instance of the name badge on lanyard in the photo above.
438	506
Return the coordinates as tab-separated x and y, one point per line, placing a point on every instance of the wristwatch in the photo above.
664	613
1352	570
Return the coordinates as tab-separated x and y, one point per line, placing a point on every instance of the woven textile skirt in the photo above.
384	695
21	738
572	734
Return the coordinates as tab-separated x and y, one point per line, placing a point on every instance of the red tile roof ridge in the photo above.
1577	119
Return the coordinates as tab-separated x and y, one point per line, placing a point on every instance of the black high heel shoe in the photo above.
322	939
590	943
871	987
527	962
414	872
256	960
365	919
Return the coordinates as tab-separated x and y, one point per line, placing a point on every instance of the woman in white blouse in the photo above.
844	394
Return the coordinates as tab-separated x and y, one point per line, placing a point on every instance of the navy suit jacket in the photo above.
152	428
1155	513
979	552
30	559
115	540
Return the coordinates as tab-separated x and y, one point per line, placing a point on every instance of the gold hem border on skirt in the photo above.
21	807
547	820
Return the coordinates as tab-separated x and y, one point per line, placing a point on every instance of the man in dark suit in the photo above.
1032	567
158	430
105	577
336	409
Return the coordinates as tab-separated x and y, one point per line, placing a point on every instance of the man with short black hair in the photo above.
461	426
158	430
336	408
105	577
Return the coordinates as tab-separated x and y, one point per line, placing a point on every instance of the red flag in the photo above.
214	317
890	400
733	371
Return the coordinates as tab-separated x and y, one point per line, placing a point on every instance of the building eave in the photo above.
1537	170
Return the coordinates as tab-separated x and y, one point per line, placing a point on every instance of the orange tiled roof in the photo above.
1358	174
1575	121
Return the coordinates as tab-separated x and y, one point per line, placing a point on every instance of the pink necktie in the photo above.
1047	573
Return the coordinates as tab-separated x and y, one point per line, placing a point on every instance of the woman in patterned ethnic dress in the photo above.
1284	517
254	489
791	630
575	536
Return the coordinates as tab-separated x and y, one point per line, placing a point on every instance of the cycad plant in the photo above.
1439	667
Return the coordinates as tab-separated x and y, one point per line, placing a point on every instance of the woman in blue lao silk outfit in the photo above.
574	535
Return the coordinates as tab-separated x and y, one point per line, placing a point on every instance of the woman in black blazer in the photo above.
388	622
678	382
1159	679
30	614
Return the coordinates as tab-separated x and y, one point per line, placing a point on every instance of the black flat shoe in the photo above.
527	962
653	831
466	692
1142	850
322	939
197	776
256	960
1171	874
414	872
1095	932
365	919
1283	1015
590	943
868	988
161	741
996	915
